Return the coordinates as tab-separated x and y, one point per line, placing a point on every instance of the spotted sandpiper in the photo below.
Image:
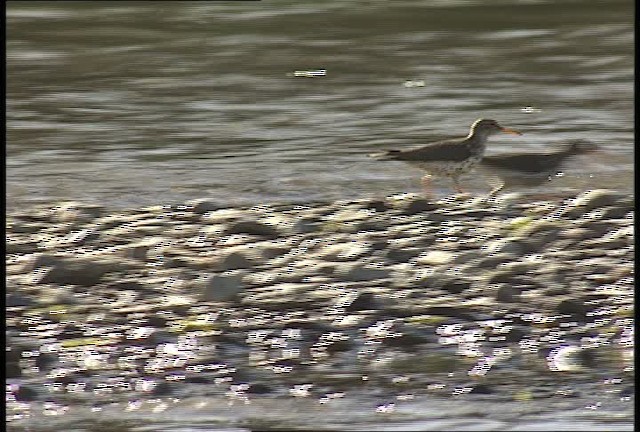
530	169
449	158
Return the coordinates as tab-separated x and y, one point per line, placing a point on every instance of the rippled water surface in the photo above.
130	104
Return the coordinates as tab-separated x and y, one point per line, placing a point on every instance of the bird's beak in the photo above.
510	131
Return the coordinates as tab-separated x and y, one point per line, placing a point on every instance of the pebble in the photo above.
223	287
361	272
321	284
435	258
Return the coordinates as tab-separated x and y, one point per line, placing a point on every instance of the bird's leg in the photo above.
426	184
497	185
456	184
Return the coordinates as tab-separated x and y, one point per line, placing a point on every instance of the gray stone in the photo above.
508	245
234	261
78	272
362	272
402	255
20	246
597	198
223	287
19	300
506	293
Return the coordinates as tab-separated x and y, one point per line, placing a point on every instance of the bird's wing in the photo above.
452	150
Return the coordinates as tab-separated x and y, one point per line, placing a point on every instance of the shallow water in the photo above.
136	103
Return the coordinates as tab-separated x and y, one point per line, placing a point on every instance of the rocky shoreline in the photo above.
239	297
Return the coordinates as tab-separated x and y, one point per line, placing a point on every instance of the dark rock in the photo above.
163	388
418	206
252	227
20	247
452	285
46	361
77	272
259	388
234	261
274	252
201	207
157	321
507	294
377	205
363	301
26	393
517	333
482	389
13	370
573	307
403	255
19	300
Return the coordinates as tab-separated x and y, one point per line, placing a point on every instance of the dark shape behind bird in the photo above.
531	169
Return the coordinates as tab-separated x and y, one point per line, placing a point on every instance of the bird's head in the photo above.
486	127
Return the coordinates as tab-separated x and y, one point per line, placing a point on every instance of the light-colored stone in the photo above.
435	258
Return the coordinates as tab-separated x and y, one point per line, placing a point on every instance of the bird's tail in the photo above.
387	155
580	146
